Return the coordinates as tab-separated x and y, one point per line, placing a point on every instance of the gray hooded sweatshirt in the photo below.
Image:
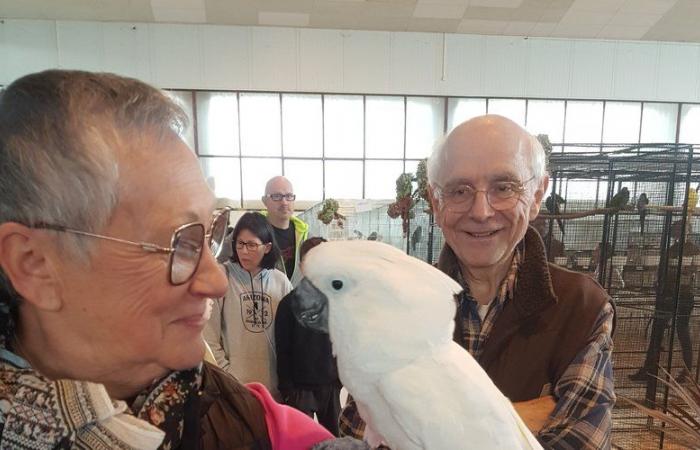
241	330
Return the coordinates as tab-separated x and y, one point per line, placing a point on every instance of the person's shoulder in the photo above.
299	225
287	297
232	267
579	288
216	379
284	309
223	389
276	275
277	278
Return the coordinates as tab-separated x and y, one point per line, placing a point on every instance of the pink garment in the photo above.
289	429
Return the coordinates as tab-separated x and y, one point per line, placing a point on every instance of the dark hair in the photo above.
257	224
309	244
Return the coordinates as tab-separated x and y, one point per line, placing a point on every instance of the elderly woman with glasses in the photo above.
241	329
108	240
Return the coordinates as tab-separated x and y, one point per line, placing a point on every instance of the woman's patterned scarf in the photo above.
39	414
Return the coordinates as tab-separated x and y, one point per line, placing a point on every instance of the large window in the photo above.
354	146
583	124
261	132
343	126
546	117
659	122
425	123
217	119
690	124
384	127
461	109
622	122
302	130
514	109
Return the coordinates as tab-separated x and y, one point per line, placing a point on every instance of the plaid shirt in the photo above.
474	332
582	417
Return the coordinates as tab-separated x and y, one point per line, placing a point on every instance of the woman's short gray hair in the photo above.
58	134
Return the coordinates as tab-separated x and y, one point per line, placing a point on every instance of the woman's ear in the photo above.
25	259
268	247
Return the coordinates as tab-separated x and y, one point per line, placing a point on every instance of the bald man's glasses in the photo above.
501	196
186	244
280	197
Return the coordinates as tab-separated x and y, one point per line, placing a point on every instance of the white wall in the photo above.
285	59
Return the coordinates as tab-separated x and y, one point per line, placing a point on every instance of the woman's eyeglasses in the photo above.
186	244
250	246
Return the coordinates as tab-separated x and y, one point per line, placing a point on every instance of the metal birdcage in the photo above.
644	255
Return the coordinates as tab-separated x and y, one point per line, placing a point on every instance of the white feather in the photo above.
391	325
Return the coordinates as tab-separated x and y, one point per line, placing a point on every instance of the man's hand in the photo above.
535	412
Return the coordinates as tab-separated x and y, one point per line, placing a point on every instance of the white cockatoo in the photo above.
390	318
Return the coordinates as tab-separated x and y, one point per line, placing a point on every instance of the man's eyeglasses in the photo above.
279	197
250	246
186	244
500	196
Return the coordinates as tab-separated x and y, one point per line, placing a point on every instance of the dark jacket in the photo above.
226	416
304	356
537	336
686	290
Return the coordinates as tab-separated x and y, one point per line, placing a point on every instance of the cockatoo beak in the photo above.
310	306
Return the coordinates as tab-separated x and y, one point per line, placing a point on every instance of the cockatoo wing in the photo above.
446	400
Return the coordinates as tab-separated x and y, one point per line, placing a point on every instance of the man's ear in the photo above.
435	204
539	195
24	258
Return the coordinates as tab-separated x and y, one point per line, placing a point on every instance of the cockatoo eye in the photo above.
337	285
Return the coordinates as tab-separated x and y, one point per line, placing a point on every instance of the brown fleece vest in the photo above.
542	328
230	417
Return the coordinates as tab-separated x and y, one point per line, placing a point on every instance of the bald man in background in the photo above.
290	231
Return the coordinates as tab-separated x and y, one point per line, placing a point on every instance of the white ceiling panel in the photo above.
609	6
654	20
496	3
648	6
623	32
439	10
635	19
473	26
577	18
187	11
282	19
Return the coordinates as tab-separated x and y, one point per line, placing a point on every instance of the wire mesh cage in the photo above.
623	216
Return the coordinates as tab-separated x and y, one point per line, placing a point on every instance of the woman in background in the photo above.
241	328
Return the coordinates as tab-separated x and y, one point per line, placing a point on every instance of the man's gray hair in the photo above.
58	134
538	159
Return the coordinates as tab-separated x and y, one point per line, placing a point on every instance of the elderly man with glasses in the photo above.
108	244
290	231
541	332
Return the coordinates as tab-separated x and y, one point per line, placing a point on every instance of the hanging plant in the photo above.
329	212
406	197
422	181
403	206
